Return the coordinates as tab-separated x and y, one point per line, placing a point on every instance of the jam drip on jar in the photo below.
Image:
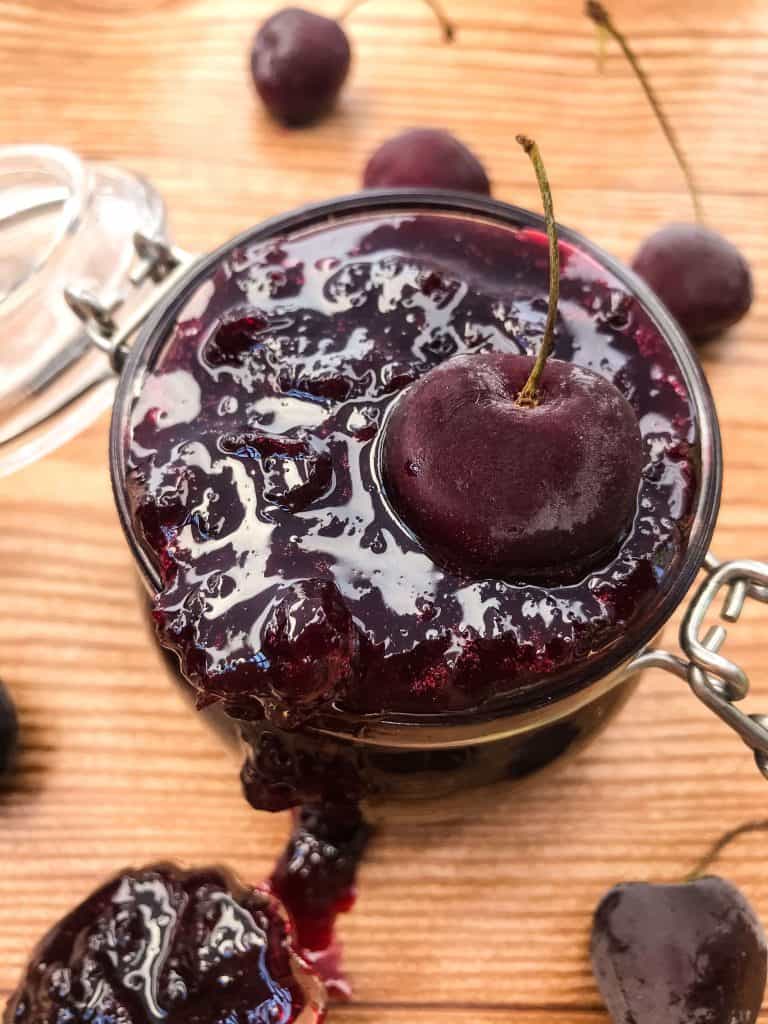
315	880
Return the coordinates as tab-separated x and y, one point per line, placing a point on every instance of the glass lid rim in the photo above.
404	200
43	157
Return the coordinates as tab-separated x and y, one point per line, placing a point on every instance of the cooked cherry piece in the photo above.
426	158
495	489
8	729
299	61
159	943
677	954
701	277
310	642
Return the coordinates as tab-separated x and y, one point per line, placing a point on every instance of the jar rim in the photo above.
396	728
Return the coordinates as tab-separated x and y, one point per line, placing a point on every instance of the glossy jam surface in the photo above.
289	585
161	944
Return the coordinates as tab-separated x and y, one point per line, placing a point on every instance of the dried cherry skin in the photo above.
426	158
701	277
676	954
310	642
299	62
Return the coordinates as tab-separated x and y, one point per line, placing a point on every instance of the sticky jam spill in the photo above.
288	584
162	944
315	881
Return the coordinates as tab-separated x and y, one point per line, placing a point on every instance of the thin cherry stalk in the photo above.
529	395
440	16
600	16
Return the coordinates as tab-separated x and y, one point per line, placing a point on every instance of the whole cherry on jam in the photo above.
700	276
300	60
426	158
161	943
494	487
512	467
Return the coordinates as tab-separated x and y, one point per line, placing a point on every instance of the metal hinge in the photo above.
159	267
716	680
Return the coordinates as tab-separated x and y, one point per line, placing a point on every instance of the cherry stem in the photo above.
529	395
447	27
602	19
720	844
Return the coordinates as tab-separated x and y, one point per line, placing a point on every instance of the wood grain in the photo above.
489	923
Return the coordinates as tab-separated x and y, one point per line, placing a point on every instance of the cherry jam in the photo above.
289	586
163	944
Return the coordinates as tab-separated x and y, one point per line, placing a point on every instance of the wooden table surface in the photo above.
490	923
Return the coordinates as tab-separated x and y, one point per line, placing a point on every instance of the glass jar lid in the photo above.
64	223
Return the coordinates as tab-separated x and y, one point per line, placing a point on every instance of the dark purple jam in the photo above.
290	588
161	944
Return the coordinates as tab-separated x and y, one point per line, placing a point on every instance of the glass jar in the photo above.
61	221
393	762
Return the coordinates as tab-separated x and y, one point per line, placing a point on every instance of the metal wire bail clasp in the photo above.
716	680
158	266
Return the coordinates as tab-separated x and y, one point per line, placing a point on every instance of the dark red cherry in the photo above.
162	944
701	277
299	61
679	954
8	729
494	489
426	158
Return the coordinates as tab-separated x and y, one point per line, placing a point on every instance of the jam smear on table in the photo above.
162	944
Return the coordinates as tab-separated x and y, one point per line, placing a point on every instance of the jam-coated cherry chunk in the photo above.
702	278
679	954
494	488
426	158
299	61
163	944
310	643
